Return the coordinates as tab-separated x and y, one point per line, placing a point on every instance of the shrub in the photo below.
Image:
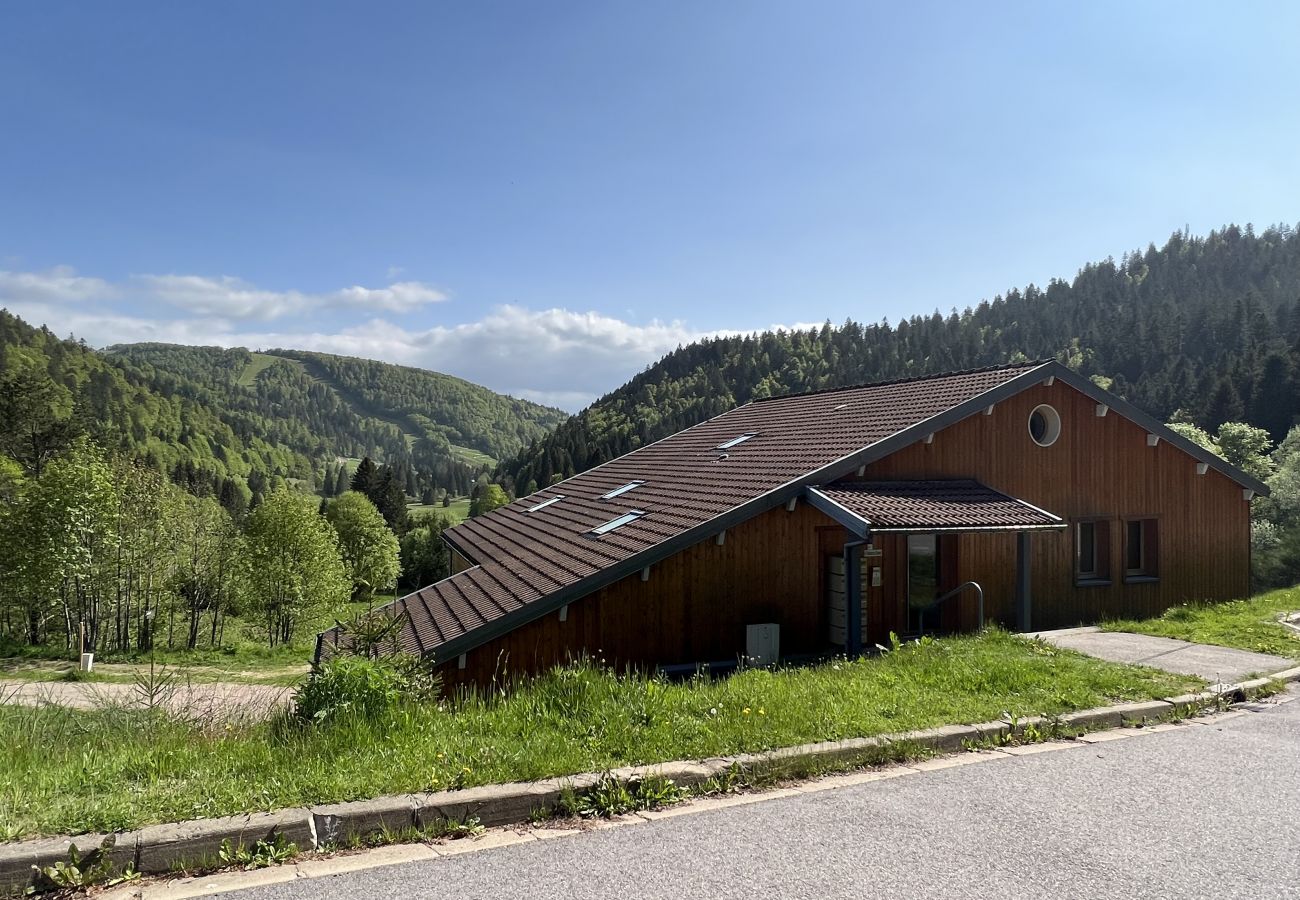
368	675
352	685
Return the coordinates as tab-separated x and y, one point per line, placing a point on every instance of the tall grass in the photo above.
1250	624
67	771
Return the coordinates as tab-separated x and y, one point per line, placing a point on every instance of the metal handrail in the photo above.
979	593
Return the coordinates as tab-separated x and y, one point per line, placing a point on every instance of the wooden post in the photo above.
1024	599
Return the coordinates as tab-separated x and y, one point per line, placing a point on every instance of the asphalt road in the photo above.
1196	811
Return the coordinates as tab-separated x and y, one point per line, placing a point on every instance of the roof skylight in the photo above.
619	491
545	503
727	445
630	516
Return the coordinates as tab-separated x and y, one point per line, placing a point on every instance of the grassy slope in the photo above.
64	771
1246	624
470	456
261	362
456	513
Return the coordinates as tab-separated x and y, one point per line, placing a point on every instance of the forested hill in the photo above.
1205	329
232	424
453	416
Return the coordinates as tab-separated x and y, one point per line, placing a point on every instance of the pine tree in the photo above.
364	478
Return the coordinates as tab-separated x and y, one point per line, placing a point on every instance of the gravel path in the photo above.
225	699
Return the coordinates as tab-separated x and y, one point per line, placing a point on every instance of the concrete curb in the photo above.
197	843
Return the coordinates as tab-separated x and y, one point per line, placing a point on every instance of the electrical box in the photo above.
763	644
875	576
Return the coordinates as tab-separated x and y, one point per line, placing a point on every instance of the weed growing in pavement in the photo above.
610	797
262	854
81	870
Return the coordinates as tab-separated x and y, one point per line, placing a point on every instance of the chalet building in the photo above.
820	523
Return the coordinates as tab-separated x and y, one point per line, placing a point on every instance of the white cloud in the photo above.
61	284
205	296
556	356
228	296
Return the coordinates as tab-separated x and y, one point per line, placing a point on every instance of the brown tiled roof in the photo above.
529	562
887	506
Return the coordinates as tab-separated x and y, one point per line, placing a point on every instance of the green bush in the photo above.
350	685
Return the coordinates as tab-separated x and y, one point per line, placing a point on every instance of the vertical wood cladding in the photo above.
1101	467
696	604
694	607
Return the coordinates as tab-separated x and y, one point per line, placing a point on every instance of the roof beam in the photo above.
859	526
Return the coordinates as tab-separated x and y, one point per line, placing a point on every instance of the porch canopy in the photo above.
928	507
923	507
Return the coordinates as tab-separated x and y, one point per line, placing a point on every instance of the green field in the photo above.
455	514
472	457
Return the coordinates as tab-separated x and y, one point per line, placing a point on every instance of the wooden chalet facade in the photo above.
1060	501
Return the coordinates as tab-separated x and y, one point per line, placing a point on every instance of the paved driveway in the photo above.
1214	664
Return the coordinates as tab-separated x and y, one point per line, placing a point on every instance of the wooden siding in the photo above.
1099	468
693	608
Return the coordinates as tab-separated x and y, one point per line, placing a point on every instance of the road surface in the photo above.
1195	810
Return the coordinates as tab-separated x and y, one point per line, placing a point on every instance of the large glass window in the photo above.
922	581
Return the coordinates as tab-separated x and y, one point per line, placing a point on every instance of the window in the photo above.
545	503
1092	551
619	491
727	445
619	522
922	580
1141	550
1044	425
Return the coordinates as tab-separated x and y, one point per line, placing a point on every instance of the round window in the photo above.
1044	425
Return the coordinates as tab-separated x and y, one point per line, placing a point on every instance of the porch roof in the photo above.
876	507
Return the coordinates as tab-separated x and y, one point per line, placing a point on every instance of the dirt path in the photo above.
204	699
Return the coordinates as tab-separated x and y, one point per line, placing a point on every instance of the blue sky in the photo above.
545	198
